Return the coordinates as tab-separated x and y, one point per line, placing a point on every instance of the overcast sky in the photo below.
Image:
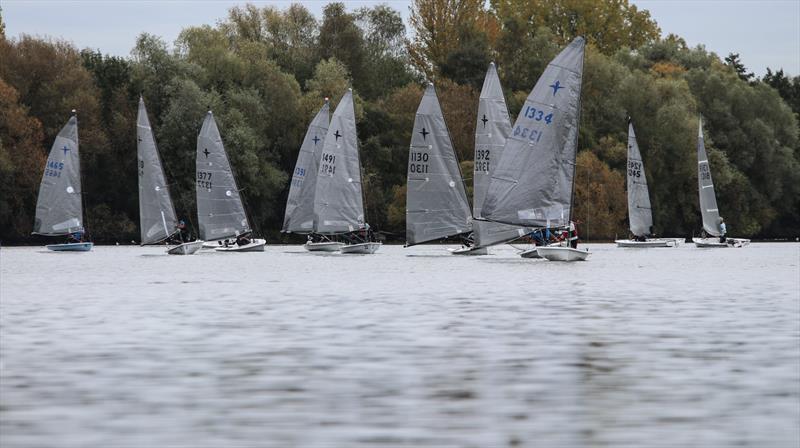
766	33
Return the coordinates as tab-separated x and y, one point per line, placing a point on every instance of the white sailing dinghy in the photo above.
491	132
59	206
220	213
640	214
338	197
532	184
436	201
157	218
299	215
708	202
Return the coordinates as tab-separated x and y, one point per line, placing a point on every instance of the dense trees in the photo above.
265	71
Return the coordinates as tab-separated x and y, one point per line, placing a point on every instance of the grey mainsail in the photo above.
640	215
220	212
338	199
436	202
299	216
708	199
157	216
533	181
491	133
59	209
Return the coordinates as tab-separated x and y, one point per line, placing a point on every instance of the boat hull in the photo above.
653	242
327	246
470	251
70	247
186	248
562	253
256	245
709	243
361	248
530	253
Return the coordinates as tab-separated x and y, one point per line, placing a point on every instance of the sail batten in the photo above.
491	132
59	207
640	215
338	198
157	218
299	216
708	198
220	212
532	183
436	200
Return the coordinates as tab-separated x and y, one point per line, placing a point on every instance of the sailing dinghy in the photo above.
491	132
640	214
299	215
533	182
338	197
157	218
708	202
436	201
59	206
220	212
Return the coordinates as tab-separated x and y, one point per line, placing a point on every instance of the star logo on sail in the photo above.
206	152
556	86
337	135
65	149
484	120
316	140
424	133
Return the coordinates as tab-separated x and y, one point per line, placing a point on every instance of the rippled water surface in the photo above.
127	347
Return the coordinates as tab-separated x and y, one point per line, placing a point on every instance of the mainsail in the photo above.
532	183
157	216
708	199
491	133
338	199
639	212
299	215
59	209
436	202
220	212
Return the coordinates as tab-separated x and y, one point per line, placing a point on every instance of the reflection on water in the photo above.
659	347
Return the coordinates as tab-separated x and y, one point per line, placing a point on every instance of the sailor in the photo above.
242	240
722	230
573	235
75	237
183	232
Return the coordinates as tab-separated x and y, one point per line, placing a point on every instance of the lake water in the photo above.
128	347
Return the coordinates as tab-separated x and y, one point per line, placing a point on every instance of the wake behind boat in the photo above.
59	206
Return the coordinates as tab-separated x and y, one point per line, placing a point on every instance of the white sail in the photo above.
436	202
220	213
59	209
708	199
533	181
640	215
338	199
157	218
299	216
491	132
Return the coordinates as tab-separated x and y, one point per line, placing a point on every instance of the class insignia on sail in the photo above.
59	205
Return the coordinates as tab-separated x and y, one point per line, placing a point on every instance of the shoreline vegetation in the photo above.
265	71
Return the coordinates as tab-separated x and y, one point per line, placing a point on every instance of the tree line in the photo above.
265	71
